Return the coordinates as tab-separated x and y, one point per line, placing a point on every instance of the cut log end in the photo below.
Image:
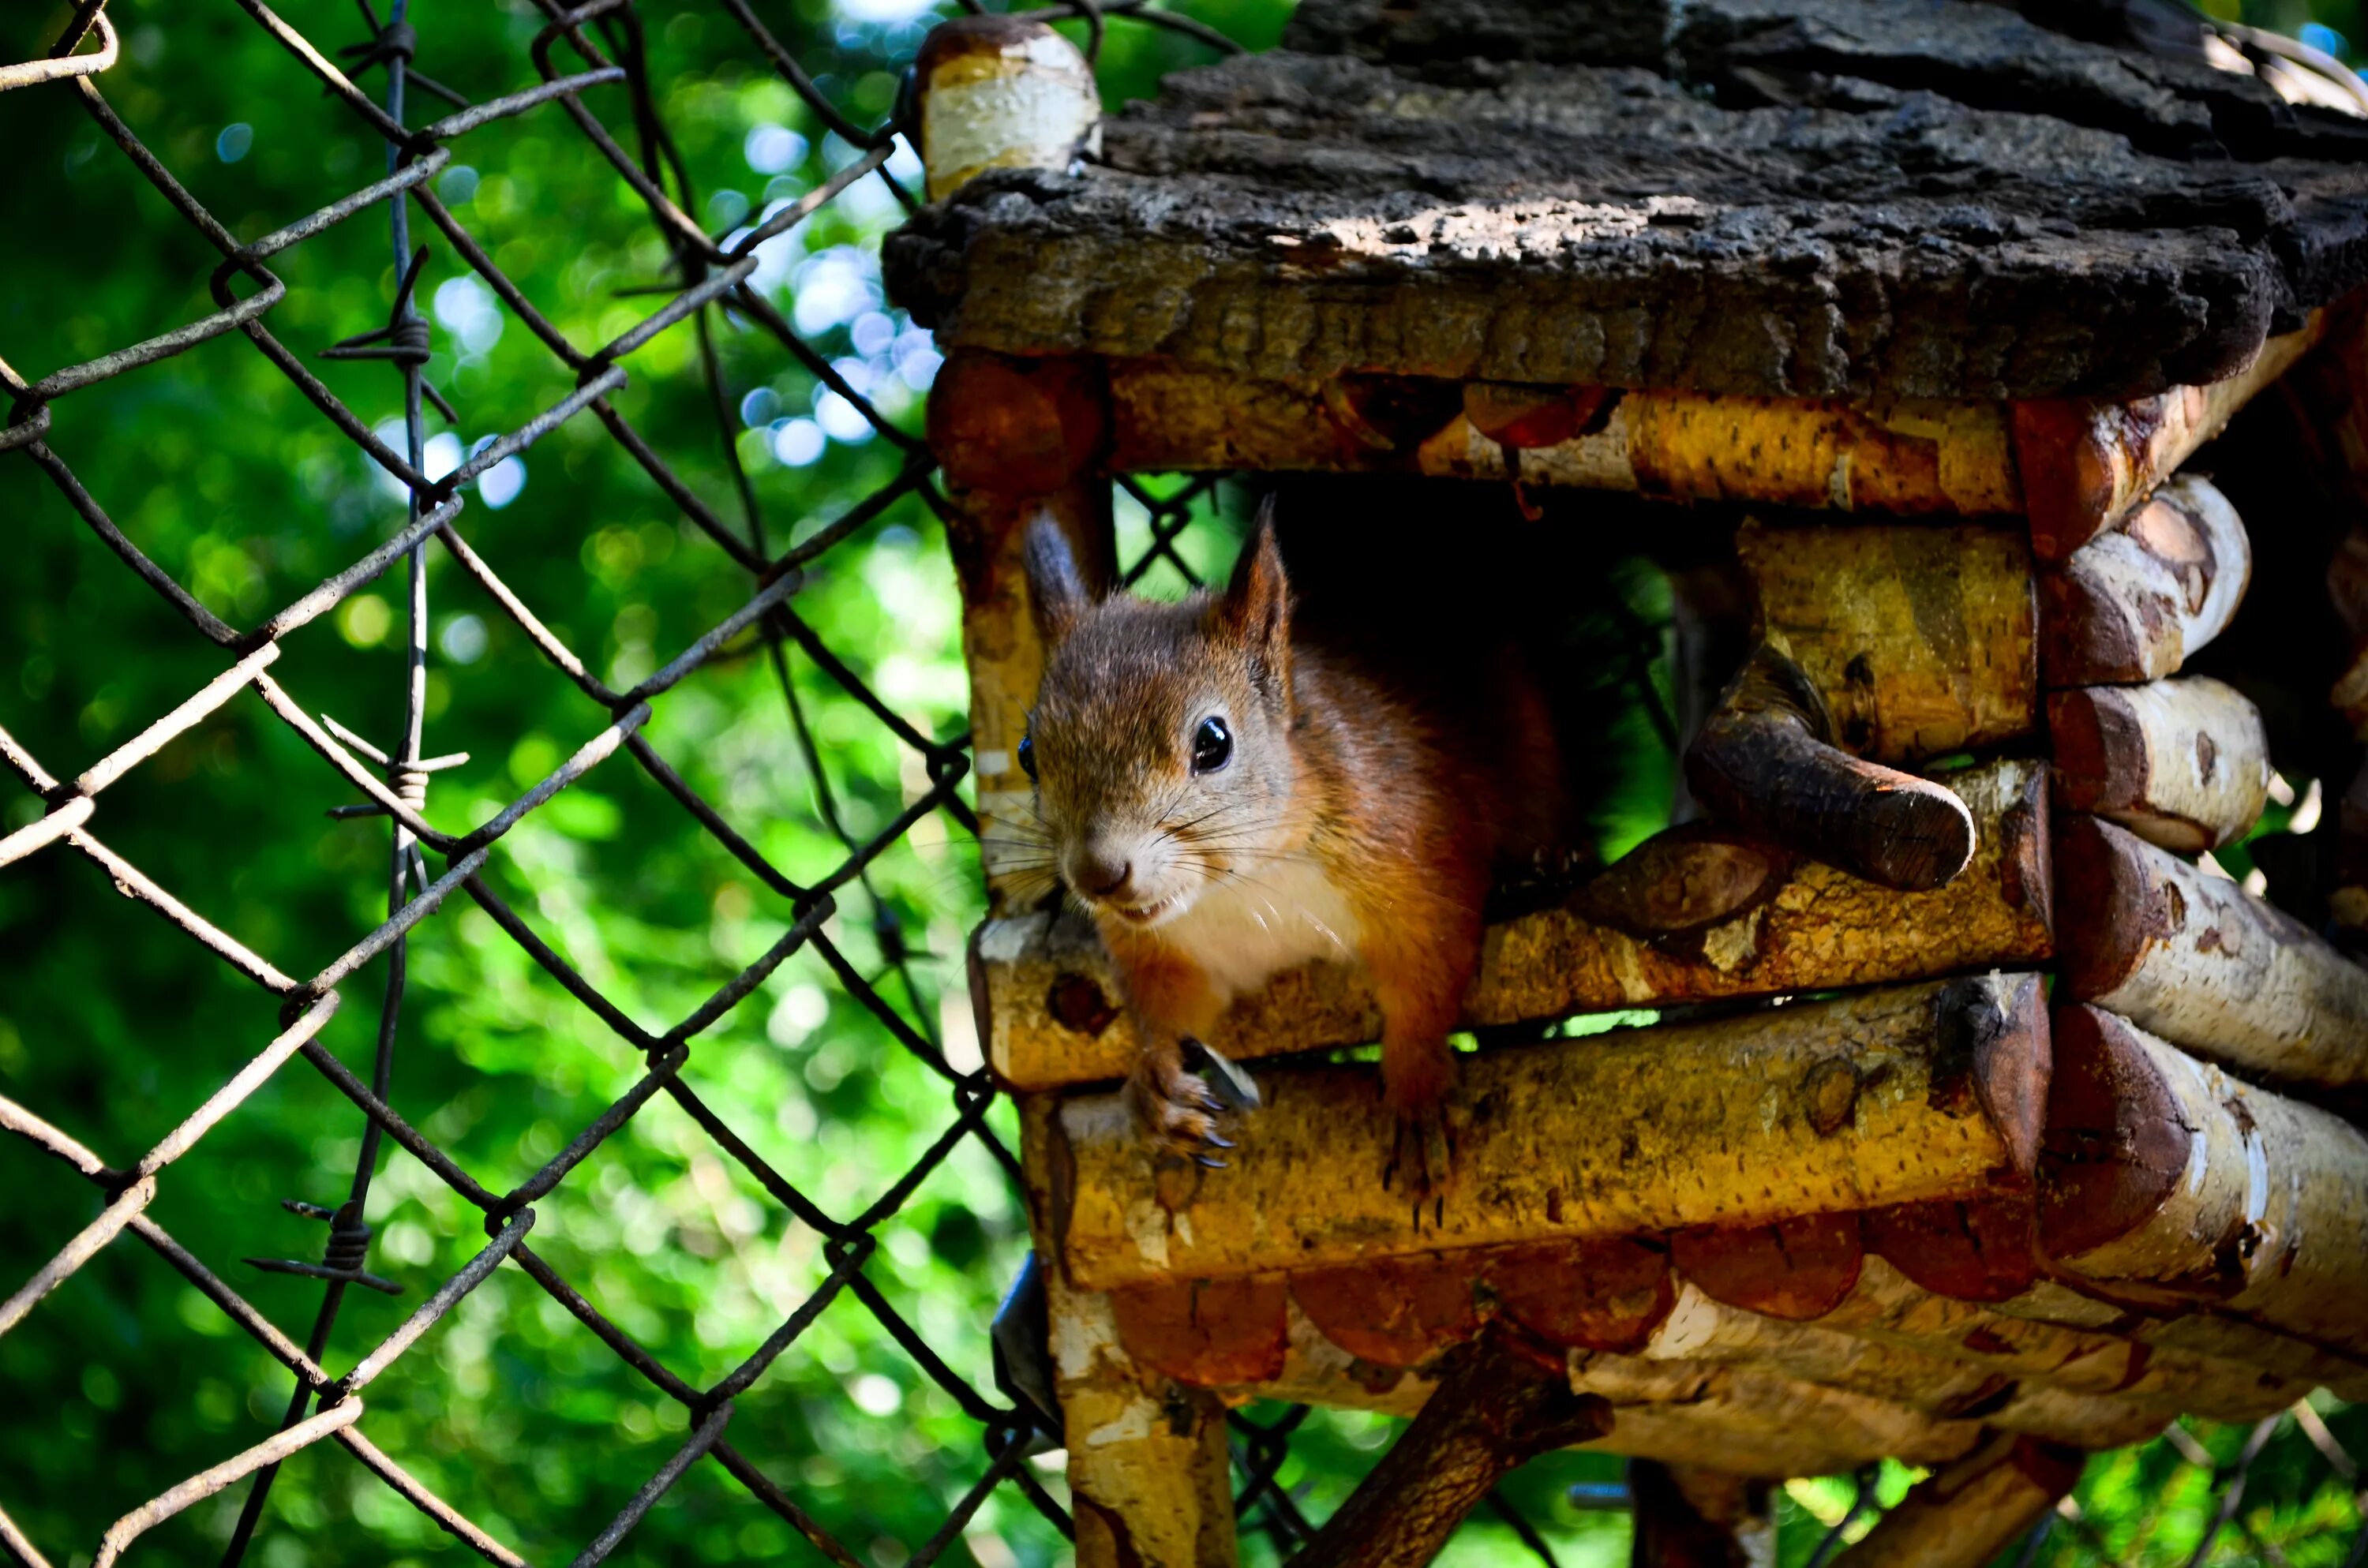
1764	764
2115	1147
2183	764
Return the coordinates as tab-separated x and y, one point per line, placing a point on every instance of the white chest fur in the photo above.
1245	929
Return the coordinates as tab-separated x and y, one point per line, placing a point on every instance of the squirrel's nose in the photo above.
1100	876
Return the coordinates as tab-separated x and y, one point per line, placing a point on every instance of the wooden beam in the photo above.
1496	1408
1987	1252
1150	1479
2203	964
2085	465
2134	602
1018	439
1149	1476
1921	638
1766	763
1884	1096
2183	764
1970	1511
1690	916
1948	459
2165	1181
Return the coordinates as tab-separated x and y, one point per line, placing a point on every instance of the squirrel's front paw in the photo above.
1181	1097
1422	1157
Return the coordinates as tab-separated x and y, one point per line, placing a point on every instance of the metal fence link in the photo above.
582	53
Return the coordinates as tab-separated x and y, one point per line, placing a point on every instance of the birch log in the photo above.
1018	439
1921	638
2134	603
1902	459
1887	1307
1149	1476
1891	1096
1701	1330
2203	964
1987	1252
1690	915
2085	465
2184	764
1001	92
1725	1438
1968	1512
2166	1181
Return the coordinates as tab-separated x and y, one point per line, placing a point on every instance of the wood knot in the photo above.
1076	1003
1830	1092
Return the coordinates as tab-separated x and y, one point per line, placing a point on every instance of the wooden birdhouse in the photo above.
2020	1131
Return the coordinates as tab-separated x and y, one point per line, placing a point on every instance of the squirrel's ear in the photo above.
1257	603
1056	589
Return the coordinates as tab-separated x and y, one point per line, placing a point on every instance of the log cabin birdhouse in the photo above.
1988	1123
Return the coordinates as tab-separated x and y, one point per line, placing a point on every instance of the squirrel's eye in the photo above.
1028	756
1213	746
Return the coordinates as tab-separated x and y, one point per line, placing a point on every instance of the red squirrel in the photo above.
1231	795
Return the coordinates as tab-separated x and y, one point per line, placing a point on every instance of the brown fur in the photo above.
1400	796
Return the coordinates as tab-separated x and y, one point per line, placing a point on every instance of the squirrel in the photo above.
1231	790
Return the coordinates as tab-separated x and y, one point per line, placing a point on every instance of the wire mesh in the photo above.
577	55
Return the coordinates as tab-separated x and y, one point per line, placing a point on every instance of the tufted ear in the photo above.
1056	589
1256	608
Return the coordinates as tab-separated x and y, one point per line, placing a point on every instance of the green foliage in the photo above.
115	1025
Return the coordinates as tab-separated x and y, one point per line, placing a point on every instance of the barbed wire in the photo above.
392	775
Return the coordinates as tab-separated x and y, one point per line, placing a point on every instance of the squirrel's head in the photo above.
1160	741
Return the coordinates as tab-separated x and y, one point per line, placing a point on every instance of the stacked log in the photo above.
1694	914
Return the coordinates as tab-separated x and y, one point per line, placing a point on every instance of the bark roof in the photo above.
1790	198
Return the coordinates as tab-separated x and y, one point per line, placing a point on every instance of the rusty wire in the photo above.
392	775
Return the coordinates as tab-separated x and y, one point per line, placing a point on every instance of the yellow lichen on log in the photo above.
1921	638
1687	917
1892	1096
1905	457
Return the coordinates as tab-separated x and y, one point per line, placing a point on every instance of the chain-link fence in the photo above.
592	69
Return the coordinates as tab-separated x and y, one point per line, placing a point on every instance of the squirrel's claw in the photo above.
1179	1097
1228	1083
1421	1158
